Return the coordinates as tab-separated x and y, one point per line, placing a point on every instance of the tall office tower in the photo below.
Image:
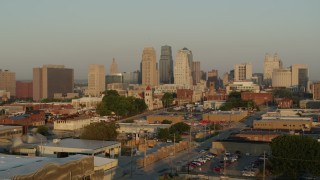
315	89
300	76
51	79
281	78
270	63
114	67
203	76
225	79
196	72
149	67
8	81
243	72
131	77
166	65
213	78
96	80
183	67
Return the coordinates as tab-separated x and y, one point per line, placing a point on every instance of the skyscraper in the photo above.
213	78
166	65
149	67
8	81
196	72
242	72
300	76
270	63
281	78
114	67
183	67
51	79
96	80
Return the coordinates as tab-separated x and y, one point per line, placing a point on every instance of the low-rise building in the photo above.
213	104
8	132
88	102
242	86
66	147
141	128
283	124
72	124
284	103
258	98
310	104
25	120
225	116
158	118
72	167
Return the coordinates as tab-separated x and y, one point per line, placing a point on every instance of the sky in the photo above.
77	33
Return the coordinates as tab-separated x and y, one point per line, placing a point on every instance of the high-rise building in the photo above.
281	78
52	79
315	89
183	67
166	65
270	63
257	78
96	80
300	76
225	79
243	72
114	67
149	67
196	72
8	81
23	89
131	77
213	78
203	76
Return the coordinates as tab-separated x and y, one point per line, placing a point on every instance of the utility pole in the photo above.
264	165
131	155
224	164
145	153
189	149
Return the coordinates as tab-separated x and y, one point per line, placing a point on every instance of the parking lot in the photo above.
237	164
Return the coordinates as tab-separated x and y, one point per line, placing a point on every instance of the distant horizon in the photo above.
220	34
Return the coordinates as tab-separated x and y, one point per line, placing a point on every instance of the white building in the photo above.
183	67
243	72
242	86
271	63
72	124
96	80
281	78
88	102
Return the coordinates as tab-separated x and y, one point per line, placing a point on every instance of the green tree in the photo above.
166	122
179	128
282	93
293	156
163	134
43	130
106	131
167	99
120	105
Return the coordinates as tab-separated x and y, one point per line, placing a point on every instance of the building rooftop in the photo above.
81	144
2	127
11	165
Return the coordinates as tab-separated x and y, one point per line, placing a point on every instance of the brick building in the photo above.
25	120
24	89
284	103
184	96
258	98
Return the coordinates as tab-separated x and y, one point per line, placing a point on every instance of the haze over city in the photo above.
219	33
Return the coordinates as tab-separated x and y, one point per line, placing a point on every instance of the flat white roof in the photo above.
81	144
11	165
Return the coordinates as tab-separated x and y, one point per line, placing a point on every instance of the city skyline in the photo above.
220	34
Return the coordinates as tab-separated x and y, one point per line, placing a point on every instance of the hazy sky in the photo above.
77	33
